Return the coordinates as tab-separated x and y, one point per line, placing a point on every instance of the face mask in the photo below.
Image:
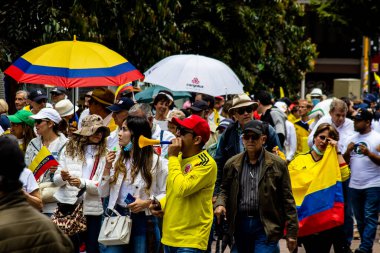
315	101
128	147
317	150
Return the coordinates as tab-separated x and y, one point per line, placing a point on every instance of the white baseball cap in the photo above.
47	113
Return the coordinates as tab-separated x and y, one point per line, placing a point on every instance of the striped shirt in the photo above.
249	185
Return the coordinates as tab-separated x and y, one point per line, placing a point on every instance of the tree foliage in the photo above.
361	17
260	40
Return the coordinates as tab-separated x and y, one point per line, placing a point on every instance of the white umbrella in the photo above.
194	73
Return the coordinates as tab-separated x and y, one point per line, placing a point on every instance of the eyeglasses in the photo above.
322	137
183	131
252	137
39	121
242	110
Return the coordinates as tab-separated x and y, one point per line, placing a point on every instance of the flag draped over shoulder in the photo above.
42	162
317	190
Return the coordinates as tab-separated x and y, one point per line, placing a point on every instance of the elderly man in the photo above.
187	208
58	94
230	143
21	99
256	196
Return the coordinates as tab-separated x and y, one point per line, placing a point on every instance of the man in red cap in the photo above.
187	208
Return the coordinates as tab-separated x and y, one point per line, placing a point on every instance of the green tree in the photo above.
260	40
361	17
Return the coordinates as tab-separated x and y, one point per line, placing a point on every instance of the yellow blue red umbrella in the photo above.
73	64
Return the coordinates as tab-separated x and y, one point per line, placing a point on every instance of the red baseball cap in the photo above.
195	123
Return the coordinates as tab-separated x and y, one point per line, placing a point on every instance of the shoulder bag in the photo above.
115	230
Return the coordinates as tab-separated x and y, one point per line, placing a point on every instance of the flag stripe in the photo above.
320	201
126	77
29	68
322	221
44	167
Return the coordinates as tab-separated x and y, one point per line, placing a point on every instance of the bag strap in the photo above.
96	162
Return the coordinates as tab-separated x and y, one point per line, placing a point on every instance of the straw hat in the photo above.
241	100
65	108
91	124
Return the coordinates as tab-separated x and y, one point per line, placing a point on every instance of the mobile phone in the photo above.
157	203
129	199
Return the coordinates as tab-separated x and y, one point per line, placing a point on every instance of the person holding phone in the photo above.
131	176
187	207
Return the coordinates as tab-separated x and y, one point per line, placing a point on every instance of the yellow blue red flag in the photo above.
43	161
317	190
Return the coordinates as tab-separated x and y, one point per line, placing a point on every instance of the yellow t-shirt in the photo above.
302	133
187	206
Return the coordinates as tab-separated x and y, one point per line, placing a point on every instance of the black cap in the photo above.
254	126
124	103
58	90
363	114
11	157
37	94
199	105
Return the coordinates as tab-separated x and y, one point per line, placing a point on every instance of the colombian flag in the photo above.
42	162
317	190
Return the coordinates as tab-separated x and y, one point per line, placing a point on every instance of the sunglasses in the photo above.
39	121
322	137
53	94
183	131
252	137
242	110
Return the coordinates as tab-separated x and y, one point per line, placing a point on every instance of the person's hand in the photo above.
219	211
291	244
53	169
350	147
364	150
110	158
139	205
74	181
65	175
175	147
155	209
332	142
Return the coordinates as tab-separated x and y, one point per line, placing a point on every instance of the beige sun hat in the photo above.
241	100
65	108
91	124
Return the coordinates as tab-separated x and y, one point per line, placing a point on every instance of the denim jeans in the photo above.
250	237
365	204
138	240
169	249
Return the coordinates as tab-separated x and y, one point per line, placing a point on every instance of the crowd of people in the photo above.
232	163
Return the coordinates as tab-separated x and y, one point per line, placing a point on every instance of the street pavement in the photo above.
354	245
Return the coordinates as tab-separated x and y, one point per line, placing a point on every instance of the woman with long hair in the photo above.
80	169
320	236
22	128
48	135
136	172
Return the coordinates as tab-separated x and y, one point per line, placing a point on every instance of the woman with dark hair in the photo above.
80	169
322	239
22	128
136	172
46	124
162	104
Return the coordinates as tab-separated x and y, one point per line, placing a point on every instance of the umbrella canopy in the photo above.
194	73
147	95
73	64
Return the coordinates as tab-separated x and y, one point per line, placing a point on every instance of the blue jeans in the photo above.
138	240
169	249
365	204
250	237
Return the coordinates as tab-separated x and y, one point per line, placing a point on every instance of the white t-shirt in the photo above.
364	172
29	183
